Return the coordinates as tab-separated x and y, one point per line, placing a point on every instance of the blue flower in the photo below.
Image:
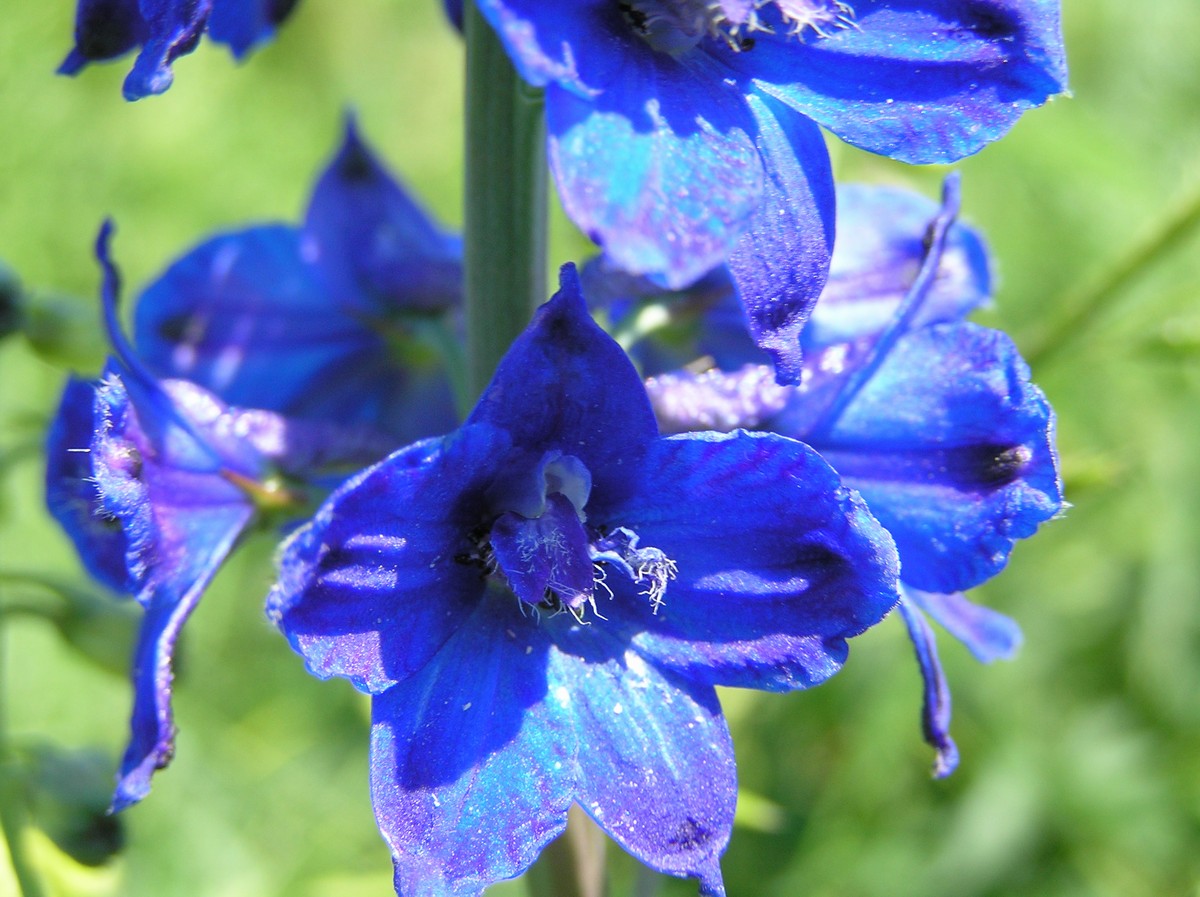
932	419
684	132
329	320
155	481
541	603
166	30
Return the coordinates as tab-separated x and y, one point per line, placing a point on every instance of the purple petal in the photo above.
374	586
716	400
881	247
473	759
564	384
104	29
953	449
546	554
935	713
174	28
375	247
988	634
781	261
242	24
917	80
660	169
777	564
656	770
71	493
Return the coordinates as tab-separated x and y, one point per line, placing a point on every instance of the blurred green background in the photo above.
1081	759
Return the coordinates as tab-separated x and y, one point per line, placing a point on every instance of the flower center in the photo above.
676	26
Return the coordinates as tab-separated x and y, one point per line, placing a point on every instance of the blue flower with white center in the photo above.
155	481
333	320
683	133
166	30
932	419
541	604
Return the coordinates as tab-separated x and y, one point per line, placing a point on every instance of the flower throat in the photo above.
676	26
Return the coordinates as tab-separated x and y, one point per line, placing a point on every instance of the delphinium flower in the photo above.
684	133
541	603
932	419
339	319
156	480
164	30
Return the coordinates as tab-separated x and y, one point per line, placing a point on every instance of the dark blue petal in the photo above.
454	12
656	765
777	564
174	28
882	243
660	169
473	759
988	634
380	579
248	317
545	554
104	29
71	493
952	447
781	261
565	385
935	713
241	24
918	80
376	249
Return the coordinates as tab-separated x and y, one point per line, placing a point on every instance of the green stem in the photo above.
506	202
1085	306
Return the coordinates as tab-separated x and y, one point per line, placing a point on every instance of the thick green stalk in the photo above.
506	203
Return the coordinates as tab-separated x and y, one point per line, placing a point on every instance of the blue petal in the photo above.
174	28
564	384
953	449
935	714
248	317
376	249
716	400
777	564
660	169
241	24
181	516
71	493
656	770
378	581
545	554
918	80
104	29
881	245
454	12
781	261
988	634
473	760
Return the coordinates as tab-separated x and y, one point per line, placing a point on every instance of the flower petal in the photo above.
918	80
174	28
935	712
378	581
777	563
71	493
241	24
881	247
564	384
660	169
375	247
782	259
952	447
656	769
472	760
988	634
104	29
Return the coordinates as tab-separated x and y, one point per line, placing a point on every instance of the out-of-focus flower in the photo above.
166	30
541	603
685	133
332	320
